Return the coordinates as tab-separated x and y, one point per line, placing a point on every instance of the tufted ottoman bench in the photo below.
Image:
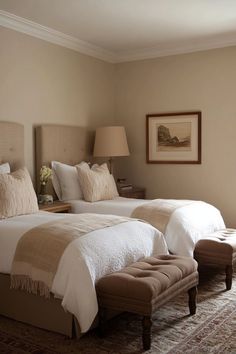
218	249
144	286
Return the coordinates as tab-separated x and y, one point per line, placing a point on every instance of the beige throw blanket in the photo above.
40	249
159	211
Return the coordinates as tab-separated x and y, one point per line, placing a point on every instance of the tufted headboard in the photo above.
12	144
63	143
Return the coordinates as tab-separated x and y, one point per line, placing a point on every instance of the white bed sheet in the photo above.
117	206
186	225
86	259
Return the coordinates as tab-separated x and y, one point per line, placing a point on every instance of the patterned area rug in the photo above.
212	330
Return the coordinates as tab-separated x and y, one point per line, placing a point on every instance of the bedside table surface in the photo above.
134	192
56	207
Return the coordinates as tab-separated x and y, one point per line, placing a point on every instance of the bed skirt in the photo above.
39	311
36	310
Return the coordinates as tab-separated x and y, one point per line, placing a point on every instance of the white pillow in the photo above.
17	195
55	181
5	168
96	183
68	179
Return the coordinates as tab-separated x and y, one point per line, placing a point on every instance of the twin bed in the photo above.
80	265
133	239
185	227
70	145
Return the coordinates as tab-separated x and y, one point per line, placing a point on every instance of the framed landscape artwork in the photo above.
174	138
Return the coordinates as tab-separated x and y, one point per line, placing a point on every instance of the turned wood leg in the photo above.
147	325
192	293
73	331
229	275
102	321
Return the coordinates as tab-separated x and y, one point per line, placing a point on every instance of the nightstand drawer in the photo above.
134	192
56	207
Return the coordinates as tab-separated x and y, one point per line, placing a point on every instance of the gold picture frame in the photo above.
173	138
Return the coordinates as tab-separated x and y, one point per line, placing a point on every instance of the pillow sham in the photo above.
67	176
17	195
5	168
96	183
55	181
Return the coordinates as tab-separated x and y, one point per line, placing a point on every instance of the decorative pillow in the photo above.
5	168
68	179
96	183
17	195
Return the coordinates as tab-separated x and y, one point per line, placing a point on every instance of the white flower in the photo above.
45	174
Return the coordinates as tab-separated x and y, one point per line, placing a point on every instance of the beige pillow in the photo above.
17	195
96	183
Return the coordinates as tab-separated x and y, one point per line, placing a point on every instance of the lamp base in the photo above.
111	165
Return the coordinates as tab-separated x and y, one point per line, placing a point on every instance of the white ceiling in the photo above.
132	29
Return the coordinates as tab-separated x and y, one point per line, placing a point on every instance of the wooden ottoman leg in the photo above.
102	321
192	293
229	275
147	325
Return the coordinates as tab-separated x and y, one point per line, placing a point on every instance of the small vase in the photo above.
43	189
43	197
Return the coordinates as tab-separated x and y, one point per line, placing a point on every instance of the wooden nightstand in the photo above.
56	207
134	192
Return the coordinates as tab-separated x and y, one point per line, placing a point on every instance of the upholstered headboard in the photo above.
63	143
12	144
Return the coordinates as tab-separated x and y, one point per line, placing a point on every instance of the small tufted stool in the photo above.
218	249
144	286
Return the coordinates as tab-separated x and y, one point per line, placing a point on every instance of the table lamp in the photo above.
110	142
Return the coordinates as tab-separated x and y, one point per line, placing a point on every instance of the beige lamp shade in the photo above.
110	142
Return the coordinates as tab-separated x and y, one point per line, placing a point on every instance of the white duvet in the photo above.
86	259
186	225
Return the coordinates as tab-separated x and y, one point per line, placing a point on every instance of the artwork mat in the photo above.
174	155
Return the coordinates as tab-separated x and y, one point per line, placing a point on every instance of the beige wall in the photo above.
45	83
200	81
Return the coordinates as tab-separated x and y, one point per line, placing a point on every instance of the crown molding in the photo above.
50	35
151	53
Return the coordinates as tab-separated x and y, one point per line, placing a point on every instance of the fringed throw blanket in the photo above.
40	249
159	211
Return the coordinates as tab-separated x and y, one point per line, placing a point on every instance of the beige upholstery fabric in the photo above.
145	285
17	195
96	183
41	312
12	144
64	143
218	248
